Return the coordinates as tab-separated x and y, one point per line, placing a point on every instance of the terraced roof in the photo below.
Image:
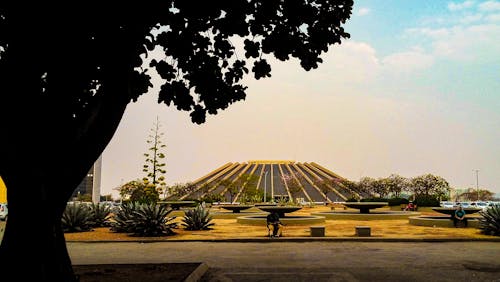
308	181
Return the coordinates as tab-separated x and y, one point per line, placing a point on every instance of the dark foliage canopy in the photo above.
73	47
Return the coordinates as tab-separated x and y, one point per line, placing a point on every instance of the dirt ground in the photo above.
230	228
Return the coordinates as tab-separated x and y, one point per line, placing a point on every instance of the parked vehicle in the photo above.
112	205
447	204
491	204
482	205
466	205
4	211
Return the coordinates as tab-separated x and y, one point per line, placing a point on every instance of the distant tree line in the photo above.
427	189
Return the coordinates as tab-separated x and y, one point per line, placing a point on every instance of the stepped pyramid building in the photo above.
311	182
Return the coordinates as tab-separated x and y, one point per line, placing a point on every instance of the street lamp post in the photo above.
265	186
477	183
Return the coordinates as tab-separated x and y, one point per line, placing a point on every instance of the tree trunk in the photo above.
45	75
40	175
33	246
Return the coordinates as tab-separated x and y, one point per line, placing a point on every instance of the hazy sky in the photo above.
415	90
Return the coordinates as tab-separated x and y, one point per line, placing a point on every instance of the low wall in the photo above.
233	215
435	221
352	215
287	220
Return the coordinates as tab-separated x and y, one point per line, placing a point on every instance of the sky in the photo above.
414	90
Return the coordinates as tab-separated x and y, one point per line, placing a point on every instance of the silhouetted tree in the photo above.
354	188
379	187
175	191
395	184
429	185
154	167
139	191
232	190
83	197
473	195
248	187
228	186
294	184
325	185
68	73
366	184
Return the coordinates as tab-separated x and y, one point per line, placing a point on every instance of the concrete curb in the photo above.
301	239
197	273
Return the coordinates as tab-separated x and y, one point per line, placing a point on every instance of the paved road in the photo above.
311	261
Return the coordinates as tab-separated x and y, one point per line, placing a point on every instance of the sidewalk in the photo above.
285	260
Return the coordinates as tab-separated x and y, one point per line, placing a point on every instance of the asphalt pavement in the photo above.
311	261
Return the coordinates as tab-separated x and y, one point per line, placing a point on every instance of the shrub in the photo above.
490	221
139	191
100	214
197	219
426	201
374	200
397	201
76	218
120	222
211	198
282	201
152	220
144	220
255	198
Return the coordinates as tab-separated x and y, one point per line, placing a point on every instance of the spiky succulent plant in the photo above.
197	219
76	218
101	214
120	222
489	223
146	220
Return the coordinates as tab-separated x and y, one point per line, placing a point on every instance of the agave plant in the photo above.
152	220
77	218
121	220
489	223
197	219
143	219
100	214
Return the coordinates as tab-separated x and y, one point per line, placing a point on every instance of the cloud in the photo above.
452	6
469	19
356	60
363	11
489	6
468	43
471	34
493	18
429	32
408	60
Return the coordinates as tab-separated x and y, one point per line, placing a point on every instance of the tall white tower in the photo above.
96	181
